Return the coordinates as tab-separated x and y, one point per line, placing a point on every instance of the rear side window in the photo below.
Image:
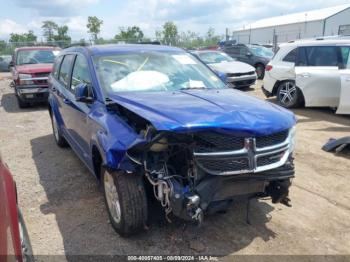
301	57
65	69
291	56
80	72
344	52
232	50
56	67
322	56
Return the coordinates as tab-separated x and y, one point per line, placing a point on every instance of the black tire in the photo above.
260	71
22	104
26	247
59	139
288	94
132	201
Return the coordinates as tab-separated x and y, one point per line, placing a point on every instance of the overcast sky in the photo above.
19	16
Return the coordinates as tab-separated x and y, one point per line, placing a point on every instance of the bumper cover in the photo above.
32	93
241	81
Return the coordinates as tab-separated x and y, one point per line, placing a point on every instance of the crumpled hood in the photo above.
34	68
207	109
232	67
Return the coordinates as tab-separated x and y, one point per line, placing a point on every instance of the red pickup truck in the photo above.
31	67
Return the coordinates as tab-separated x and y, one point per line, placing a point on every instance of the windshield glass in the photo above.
261	51
35	57
153	71
214	57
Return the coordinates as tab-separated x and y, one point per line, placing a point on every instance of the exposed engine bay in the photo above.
193	173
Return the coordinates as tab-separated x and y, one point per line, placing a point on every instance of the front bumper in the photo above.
32	93
242	81
217	192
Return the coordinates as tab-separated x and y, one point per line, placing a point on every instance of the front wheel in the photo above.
288	94
126	201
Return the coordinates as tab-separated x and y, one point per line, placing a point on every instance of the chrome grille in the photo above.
240	74
215	142
223	154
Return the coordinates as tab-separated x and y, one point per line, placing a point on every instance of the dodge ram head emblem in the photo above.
249	145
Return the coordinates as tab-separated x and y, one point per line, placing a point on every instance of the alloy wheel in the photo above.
288	94
112	197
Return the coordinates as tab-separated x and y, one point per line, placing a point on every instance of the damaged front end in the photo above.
203	171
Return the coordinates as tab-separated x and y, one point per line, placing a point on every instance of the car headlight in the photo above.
24	79
292	134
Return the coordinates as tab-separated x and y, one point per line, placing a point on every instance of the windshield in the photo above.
153	71
214	57
36	57
261	51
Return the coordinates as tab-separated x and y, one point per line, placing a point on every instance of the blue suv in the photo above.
153	122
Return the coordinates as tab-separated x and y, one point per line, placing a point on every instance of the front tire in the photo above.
288	94
126	201
59	139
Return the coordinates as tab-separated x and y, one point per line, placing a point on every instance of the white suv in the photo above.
313	73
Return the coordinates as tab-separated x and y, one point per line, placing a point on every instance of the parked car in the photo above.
232	72
14	241
5	63
314	73
31	68
255	55
153	117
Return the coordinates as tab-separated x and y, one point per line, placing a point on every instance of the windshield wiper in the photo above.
192	88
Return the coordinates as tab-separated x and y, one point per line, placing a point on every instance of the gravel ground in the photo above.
65	214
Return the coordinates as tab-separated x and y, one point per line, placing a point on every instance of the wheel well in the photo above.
96	161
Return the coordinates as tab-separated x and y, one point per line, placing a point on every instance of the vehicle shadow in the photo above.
73	196
10	105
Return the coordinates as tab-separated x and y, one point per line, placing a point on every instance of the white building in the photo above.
322	22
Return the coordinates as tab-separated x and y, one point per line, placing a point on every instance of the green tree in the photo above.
49	29
26	37
62	35
170	34
131	34
94	26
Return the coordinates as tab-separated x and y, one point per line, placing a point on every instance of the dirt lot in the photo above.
65	214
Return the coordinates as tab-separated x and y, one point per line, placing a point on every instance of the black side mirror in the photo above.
11	64
82	93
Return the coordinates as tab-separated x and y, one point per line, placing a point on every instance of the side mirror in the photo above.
248	54
11	64
82	93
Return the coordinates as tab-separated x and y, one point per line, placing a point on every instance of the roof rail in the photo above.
82	44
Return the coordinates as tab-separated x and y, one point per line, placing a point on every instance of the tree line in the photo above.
168	35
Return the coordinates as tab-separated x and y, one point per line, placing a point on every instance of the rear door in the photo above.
317	75
344	102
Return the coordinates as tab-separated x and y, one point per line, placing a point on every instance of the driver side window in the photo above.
80	72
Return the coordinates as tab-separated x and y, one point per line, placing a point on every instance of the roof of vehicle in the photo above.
206	51
36	48
113	48
321	41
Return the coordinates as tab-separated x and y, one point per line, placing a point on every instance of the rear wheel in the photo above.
60	140
288	94
126	201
